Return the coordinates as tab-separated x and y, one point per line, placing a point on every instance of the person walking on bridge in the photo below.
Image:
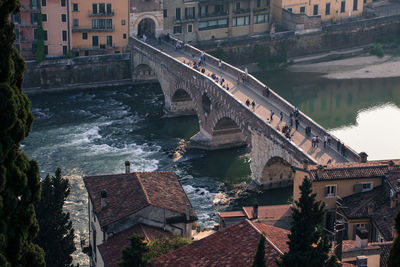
297	123
220	64
247	102
281	114
272	115
253	104
338	145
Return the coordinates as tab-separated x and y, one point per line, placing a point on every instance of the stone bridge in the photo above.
224	118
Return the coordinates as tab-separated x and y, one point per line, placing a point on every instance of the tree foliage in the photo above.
133	255
19	176
56	235
259	258
164	245
40	41
308	245
394	256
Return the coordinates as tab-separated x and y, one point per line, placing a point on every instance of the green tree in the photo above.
259	258
40	41
133	255
164	245
56	235
19	176
308	244
394	256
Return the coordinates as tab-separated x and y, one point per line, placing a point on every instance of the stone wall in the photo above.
76	72
300	22
332	37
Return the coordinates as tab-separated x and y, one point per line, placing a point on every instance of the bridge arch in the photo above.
144	72
182	103
277	172
151	20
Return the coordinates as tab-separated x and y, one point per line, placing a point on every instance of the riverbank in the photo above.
360	67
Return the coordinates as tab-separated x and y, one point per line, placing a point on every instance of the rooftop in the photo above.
129	193
349	170
111	250
232	246
272	212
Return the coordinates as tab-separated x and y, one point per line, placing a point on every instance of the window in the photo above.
17	46
190	12
44	35
102	24
190	28
64	35
62	2
34	48
262	18
315	10
34	3
123	22
213	24
237	6
109	9
343	7
240	21
290	10
109	41
165	13
95	41
366	187
302	9
109	24
124	36
35	34
258	3
177	29
219	9
330	190
203	11
75	7
76	22
17	34
44	3
16	18
94	8
34	18
355	4
44	17
63	18
328	9
46	50
84	35
178	13
65	50
102	8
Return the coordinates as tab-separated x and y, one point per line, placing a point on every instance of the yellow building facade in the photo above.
328	9
99	27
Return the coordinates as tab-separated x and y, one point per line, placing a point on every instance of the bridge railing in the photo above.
258	123
258	87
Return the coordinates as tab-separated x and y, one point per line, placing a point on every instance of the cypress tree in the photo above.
19	176
133	255
259	258
394	256
56	235
308	244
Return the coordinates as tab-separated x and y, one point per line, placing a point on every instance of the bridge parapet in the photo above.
223	101
258	87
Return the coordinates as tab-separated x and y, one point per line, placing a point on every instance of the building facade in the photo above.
99	27
56	23
26	28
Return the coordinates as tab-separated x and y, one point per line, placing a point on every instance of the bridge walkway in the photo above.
241	91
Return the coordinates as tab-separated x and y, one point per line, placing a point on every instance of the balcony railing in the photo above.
87	29
260	9
102	14
185	18
214	14
241	11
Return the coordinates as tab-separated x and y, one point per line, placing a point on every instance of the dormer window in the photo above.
330	190
366	186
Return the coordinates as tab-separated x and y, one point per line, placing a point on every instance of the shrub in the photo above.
377	50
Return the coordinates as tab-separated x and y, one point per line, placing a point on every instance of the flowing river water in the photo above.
95	131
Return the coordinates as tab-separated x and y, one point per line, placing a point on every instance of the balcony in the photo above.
185	19
102	14
241	11
213	15
260	9
105	29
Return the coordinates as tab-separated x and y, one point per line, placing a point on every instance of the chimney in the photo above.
127	167
187	212
305	164
370	208
255	211
339	240
391	165
363	157
103	195
362	261
320	168
361	238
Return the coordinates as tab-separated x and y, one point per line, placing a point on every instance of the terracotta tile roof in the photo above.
348	170
347	264
129	193
277	236
237	213
272	212
111	250
232	246
356	206
394	179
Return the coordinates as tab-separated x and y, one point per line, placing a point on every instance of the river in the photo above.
95	131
